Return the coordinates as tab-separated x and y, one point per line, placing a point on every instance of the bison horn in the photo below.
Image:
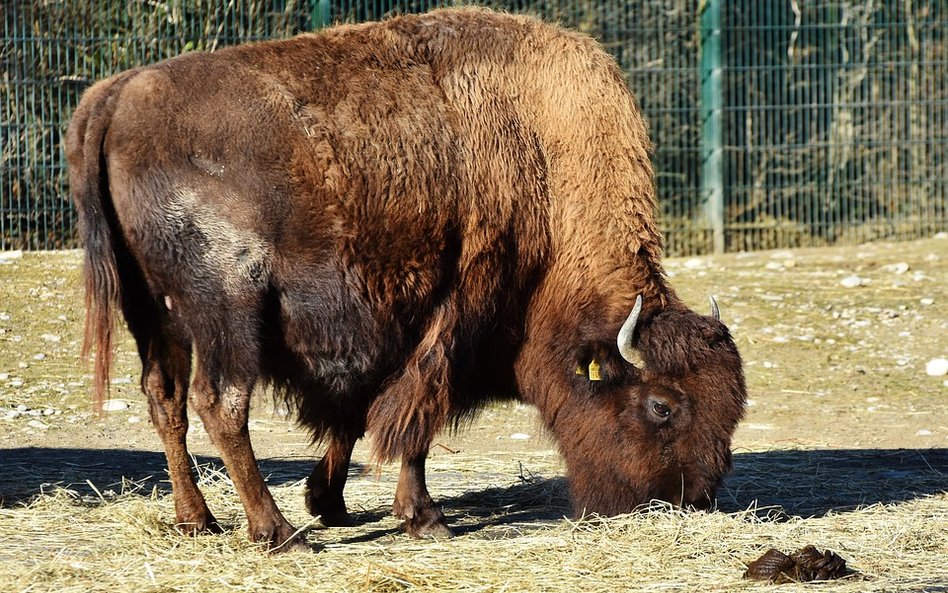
624	339
715	312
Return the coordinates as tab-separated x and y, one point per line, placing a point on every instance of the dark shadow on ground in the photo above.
29	471
777	484
805	483
811	483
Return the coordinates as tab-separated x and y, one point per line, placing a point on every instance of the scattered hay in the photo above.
838	372
512	539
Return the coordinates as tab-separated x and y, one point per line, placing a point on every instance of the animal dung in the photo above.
806	564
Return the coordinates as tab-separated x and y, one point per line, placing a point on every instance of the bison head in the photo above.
657	422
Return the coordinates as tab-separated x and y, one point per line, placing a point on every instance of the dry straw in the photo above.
512	539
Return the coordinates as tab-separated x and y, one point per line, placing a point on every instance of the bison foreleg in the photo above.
325	485
421	516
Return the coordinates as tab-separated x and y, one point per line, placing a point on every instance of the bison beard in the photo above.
391	224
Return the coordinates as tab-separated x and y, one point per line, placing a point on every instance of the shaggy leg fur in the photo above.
421	516
325	485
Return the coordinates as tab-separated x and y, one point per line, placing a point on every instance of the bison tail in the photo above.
98	228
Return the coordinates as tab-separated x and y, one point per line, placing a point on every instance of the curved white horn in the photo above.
715	312
624	339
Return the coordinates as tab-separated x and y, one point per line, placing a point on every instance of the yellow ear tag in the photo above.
580	371
594	374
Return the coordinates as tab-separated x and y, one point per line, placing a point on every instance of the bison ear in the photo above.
592	371
597	363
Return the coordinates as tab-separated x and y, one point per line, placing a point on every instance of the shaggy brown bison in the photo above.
390	224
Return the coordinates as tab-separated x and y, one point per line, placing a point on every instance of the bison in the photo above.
390	224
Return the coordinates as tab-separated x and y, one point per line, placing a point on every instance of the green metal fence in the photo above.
777	123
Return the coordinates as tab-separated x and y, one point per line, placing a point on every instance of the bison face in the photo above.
662	431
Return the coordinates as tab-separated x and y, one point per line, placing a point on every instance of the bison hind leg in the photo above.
324	487
165	352
421	517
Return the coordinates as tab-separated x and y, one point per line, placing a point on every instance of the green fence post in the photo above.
712	172
320	14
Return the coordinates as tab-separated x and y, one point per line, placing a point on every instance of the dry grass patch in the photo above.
68	543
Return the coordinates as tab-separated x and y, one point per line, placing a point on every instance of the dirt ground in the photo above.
842	413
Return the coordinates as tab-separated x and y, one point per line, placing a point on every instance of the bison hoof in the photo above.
331	510
279	539
427	523
197	524
340	519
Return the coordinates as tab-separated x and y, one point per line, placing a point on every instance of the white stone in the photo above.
927	302
51	337
37	424
519	436
121	381
937	367
114	405
852	281
134	419
899	268
923	433
11	255
22	408
774	265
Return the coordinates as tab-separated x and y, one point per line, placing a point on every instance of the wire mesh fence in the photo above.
776	123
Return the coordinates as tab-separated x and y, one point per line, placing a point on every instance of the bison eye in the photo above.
661	410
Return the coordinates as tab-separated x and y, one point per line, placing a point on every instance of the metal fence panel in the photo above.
835	121
818	122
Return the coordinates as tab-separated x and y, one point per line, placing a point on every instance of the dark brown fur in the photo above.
392	223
